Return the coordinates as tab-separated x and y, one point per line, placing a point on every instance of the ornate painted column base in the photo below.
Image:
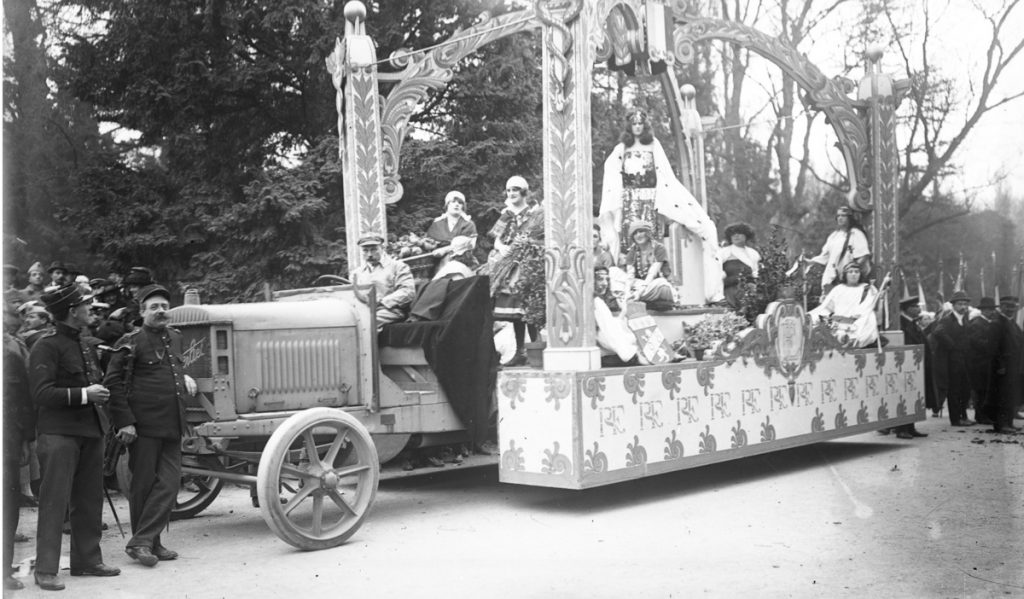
572	358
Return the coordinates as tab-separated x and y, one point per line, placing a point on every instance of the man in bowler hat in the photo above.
1009	367
984	331
148	387
65	380
952	360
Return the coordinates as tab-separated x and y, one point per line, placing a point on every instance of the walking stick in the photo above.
110	502
112	452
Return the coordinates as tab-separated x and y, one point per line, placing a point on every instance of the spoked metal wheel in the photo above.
196	492
317	478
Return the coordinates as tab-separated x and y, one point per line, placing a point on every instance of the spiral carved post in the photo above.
568	190
354	73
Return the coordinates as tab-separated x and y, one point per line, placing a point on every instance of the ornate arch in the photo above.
831	96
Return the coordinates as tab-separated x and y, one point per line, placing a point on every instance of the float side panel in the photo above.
636	422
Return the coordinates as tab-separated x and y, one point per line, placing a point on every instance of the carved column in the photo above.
354	73
568	218
882	97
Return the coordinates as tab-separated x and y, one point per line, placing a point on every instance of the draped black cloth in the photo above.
458	343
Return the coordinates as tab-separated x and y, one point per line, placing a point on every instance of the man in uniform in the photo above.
910	312
148	388
65	379
984	332
1009	376
391	279
19	428
36	277
952	352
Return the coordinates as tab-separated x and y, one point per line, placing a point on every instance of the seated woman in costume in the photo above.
639	186
453	223
847	244
647	266
739	260
850	309
518	241
613	335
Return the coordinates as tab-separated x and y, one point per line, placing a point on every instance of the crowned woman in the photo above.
639	185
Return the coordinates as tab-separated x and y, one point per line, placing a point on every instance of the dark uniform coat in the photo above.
952	355
1009	375
914	335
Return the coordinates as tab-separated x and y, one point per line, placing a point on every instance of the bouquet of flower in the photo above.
709	332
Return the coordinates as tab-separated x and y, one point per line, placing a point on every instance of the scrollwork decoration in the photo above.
559	41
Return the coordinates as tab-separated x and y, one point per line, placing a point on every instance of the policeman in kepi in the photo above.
65	379
148	388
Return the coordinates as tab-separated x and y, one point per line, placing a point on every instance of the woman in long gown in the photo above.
846	245
639	185
739	260
516	235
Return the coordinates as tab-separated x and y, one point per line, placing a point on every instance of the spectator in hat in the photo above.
148	391
57	271
952	360
36	278
847	244
1009	379
35	322
392	280
984	332
65	379
739	260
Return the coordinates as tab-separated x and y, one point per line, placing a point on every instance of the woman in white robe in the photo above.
639	185
850	309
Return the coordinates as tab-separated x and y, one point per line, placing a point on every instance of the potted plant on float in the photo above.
708	333
530	286
772	283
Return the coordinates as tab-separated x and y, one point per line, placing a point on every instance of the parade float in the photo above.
301	399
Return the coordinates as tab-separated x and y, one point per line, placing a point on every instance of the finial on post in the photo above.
355	17
874	52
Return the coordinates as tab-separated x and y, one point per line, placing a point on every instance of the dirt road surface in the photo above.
868	516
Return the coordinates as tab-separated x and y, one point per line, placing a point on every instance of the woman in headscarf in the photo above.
739	260
850	309
453	223
639	185
647	265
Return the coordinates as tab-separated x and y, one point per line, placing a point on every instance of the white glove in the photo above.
190	385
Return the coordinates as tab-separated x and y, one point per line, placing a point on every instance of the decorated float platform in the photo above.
780	384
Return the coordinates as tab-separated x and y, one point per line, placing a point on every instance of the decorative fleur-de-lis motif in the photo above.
898	359
512	458
633	382
901	407
818	422
556	388
859	362
883	411
880	360
593	387
673	447
739	436
919	403
862	414
636	454
706	377
671	380
595	461
514	388
556	463
767	430
840	418
707	441
918	357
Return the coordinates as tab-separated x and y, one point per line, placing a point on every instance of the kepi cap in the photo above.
366	240
1009	299
64	297
153	289
909	301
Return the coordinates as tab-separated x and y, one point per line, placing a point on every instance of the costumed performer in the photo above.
738	260
846	245
647	265
639	185
850	309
